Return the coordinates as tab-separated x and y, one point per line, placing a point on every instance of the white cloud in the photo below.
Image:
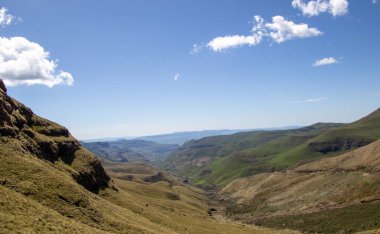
177	76
312	100
221	43
374	1
5	18
378	94
23	62
325	61
316	7
279	30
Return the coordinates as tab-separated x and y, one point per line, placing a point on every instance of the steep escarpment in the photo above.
23	132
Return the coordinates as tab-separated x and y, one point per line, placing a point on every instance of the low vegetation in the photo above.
219	160
334	194
50	183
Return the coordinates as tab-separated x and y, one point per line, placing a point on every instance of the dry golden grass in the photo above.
49	183
39	196
347	185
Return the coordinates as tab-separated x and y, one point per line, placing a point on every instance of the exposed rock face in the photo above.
2	86
48	141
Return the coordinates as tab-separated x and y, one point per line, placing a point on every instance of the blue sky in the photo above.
124	56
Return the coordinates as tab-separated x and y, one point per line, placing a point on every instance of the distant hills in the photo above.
179	138
148	149
218	160
131	150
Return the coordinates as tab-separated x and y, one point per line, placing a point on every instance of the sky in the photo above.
141	67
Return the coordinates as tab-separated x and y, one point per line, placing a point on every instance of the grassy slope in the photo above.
333	194
180	208
48	199
219	160
335	141
49	183
20	213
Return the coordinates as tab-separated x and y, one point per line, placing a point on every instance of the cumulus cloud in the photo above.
279	30
5	18
23	62
325	61
316	7
221	43
177	76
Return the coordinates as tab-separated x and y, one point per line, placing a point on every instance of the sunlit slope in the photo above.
329	195
219	160
176	206
344	138
50	183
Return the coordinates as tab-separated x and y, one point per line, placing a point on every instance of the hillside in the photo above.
219	160
131	150
334	194
50	183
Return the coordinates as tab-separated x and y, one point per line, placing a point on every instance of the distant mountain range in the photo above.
180	138
151	149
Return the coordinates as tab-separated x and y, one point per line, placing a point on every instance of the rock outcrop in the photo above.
48	141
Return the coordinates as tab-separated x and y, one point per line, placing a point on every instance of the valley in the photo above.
190	117
320	178
50	183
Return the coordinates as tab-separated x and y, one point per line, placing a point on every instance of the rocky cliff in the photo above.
24	133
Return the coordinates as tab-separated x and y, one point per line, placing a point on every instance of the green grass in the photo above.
250	153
